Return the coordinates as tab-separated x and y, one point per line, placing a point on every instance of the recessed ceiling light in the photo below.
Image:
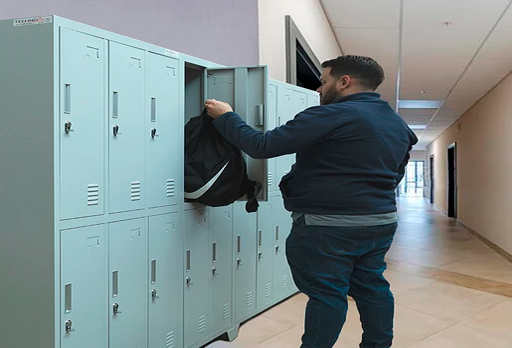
420	104
423	92
447	23
417	126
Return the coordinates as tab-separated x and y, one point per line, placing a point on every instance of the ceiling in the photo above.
451	51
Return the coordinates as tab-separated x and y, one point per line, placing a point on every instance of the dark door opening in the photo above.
452	181
431	179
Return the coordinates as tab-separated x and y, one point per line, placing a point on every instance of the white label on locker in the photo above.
172	54
32	21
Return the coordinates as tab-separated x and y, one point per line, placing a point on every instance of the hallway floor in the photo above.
451	290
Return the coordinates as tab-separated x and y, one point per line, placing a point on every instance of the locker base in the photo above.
233	333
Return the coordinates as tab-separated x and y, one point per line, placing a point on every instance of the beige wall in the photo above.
418	155
484	139
312	22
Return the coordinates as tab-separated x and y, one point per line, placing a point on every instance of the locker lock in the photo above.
69	326
239	262
215	271
154	296
153	132
189	281
260	255
115	307
67	127
277	248
116	130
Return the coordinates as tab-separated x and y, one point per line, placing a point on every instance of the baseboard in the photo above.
493	246
440	209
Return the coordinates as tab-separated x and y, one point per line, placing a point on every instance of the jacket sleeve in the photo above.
401	169
305	130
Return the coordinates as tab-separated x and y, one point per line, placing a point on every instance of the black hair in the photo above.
366	70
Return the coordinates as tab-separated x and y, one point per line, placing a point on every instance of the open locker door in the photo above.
245	89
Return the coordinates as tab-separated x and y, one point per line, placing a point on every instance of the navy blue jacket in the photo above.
351	154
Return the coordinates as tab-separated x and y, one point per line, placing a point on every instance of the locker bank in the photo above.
102	250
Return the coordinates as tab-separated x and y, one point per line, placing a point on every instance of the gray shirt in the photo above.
348	220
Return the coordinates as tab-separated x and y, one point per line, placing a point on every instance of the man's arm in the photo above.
306	129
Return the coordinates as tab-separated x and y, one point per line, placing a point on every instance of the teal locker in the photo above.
162	131
128	249
244	246
221	269
126	158
282	280
82	119
270	124
313	100
245	88
164	272
265	256
84	287
197	274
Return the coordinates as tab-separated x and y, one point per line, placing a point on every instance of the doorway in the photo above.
412	183
452	181
432	182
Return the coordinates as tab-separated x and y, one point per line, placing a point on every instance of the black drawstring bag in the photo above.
215	170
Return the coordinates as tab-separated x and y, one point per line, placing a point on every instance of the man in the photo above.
351	155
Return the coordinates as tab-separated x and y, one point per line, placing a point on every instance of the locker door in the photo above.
246	90
271	123
221	271
162	133
245	245
82	116
126	161
290	104
84	282
197	274
164	276
265	257
313	100
283	284
128	290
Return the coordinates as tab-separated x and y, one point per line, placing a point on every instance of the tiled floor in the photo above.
452	291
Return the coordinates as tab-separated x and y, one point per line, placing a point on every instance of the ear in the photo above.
344	82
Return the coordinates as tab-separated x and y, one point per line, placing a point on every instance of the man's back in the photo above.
355	169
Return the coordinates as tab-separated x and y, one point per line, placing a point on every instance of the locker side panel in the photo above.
128	279
197	273
221	276
84	287
164	275
162	136
83	112
126	139
270	124
282	280
245	248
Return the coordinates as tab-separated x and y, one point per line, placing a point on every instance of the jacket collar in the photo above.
358	96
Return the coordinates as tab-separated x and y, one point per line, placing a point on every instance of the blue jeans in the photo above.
329	263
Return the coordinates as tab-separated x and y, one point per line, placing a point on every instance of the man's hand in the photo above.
217	108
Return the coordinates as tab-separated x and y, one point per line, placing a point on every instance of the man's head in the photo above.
347	75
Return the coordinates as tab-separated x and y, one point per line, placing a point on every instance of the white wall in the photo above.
224	32
312	22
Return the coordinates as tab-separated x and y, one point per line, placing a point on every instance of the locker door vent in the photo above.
170	188
268	290
202	324
269	179
135	190
226	313
169	340
249	299
93	194
285	282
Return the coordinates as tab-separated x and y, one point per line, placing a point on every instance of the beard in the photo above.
329	96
